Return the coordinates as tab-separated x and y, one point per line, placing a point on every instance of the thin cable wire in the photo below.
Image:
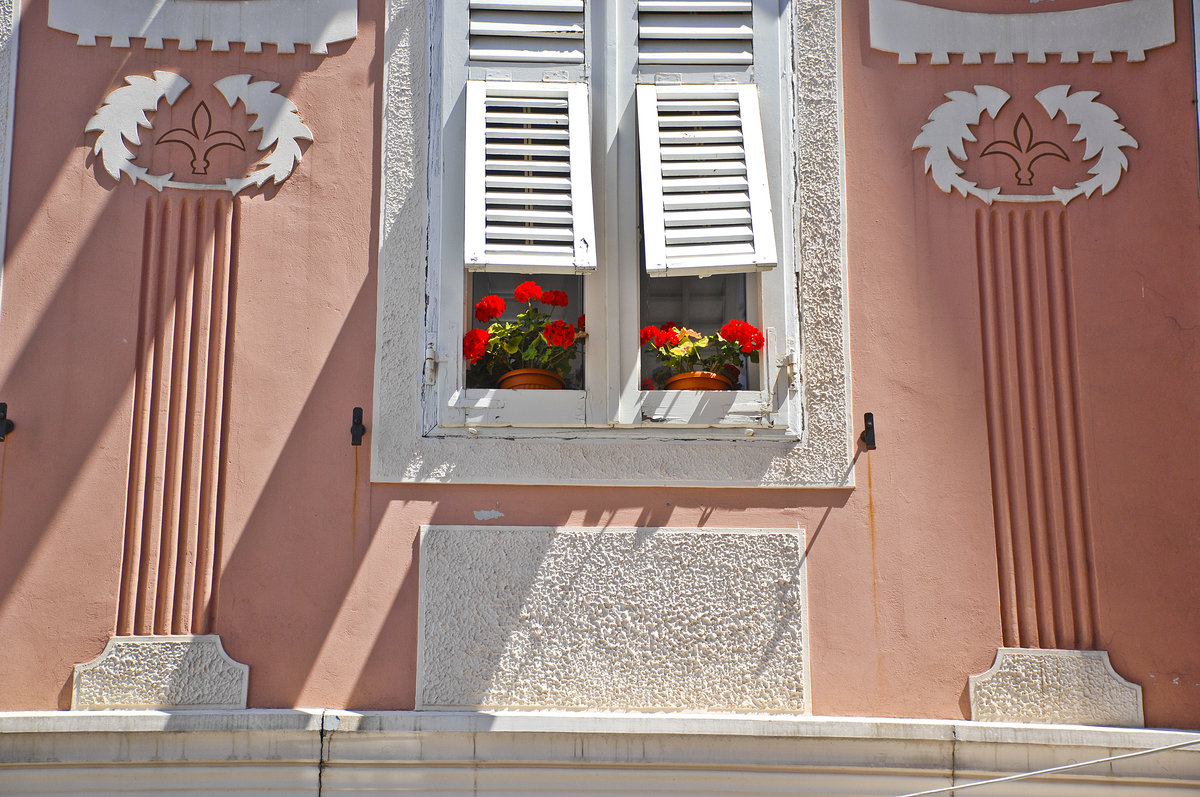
1051	770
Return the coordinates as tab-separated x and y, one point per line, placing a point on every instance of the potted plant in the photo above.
534	352
694	361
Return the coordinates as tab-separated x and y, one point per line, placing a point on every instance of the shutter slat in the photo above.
682	27
526	199
489	49
504	232
721	199
531	29
706	152
546	166
705	184
706	234
698	168
693	6
553	6
528	148
522	215
718	136
705	205
693	218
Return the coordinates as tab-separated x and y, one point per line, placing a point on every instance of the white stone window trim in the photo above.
409	444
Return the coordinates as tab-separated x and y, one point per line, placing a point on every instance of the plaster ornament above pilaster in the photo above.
125	111
1131	27
283	23
176	672
1065	687
949	128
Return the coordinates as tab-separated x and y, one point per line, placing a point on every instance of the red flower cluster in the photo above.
475	344
559	333
528	291
555	298
661	338
579	322
745	335
489	307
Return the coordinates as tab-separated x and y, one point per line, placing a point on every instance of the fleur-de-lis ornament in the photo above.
1024	151
201	139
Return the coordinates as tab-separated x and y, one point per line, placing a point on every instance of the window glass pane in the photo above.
505	285
704	304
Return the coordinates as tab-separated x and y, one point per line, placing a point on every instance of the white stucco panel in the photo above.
283	23
612	619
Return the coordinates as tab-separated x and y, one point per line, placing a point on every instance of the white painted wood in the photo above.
283	23
1132	27
695	32
503	228
728	196
531	32
10	15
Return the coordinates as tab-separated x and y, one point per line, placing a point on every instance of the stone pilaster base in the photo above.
176	672
1068	687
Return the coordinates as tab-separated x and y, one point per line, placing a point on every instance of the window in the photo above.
792	427
619	149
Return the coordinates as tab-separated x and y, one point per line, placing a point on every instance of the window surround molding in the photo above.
820	457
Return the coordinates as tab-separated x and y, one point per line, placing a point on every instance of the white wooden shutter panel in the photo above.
528	31
528	178
706	207
714	32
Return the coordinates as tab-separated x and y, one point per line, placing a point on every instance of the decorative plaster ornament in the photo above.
175	672
1131	27
1065	687
126	109
949	127
283	23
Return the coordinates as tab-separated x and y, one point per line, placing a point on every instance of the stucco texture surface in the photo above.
613	619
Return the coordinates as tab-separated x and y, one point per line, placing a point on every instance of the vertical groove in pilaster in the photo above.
1043	542
173	493
985	254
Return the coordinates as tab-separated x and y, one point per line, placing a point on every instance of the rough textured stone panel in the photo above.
161	672
620	619
1069	687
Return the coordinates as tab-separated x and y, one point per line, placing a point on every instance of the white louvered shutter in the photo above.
715	32
528	178
527	31
706	206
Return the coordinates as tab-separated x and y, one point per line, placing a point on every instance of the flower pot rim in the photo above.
700	374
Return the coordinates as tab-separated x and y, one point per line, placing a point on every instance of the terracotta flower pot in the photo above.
531	379
699	380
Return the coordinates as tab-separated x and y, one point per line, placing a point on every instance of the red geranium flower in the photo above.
489	307
475	344
559	333
528	291
555	298
745	335
647	383
579	323
648	333
664	338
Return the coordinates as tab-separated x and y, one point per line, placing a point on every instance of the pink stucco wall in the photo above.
319	591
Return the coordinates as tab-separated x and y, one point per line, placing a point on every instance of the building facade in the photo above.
268	523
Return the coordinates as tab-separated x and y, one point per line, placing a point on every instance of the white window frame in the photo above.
631	434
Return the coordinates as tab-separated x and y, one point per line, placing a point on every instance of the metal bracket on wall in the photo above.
357	429
868	433
6	426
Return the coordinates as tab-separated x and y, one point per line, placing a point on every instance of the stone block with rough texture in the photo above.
1066	687
620	619
176	672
